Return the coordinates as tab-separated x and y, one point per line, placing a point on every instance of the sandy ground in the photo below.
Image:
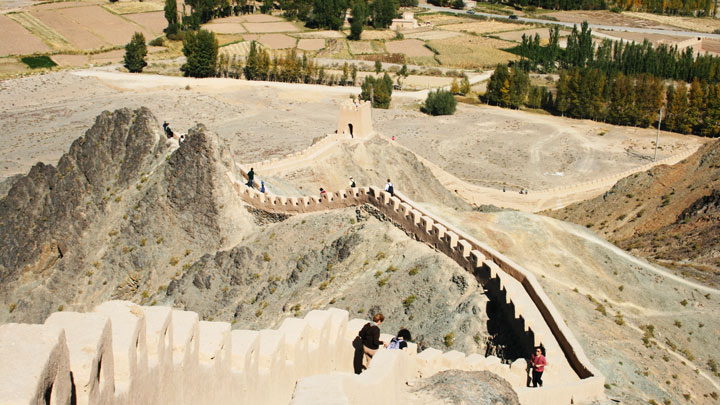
480	145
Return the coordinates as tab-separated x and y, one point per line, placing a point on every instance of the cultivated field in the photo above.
311	44
688	23
409	47
273	41
483	27
469	52
17	40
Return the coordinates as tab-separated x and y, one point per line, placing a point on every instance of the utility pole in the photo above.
657	138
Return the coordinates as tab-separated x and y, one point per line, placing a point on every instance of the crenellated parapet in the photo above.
122	353
526	307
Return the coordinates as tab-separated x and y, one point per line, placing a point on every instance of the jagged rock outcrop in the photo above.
46	212
464	387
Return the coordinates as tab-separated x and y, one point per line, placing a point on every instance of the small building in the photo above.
407	22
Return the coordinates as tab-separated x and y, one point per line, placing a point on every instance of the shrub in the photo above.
413	271
440	102
174	261
36	62
266	257
409	300
383	281
449	339
135	53
159	41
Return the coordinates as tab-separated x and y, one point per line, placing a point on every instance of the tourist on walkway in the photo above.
389	188
367	343
352	182
251	176
538	363
322	192
400	341
262	186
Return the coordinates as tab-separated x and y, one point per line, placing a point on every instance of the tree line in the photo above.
633	100
613	57
701	8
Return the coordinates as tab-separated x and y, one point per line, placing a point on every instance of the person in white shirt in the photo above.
389	188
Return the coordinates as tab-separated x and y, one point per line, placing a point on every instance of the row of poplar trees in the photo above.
618	83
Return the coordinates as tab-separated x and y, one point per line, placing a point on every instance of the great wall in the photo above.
125	353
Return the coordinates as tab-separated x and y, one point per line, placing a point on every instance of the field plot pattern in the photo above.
18	40
38	28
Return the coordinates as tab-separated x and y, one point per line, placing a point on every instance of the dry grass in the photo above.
228	39
277	41
434	34
240	48
225	28
133	7
689	23
154	22
260	28
336	49
377	34
361	47
41	30
319	34
409	47
442	19
470	52
422	60
311	44
482	27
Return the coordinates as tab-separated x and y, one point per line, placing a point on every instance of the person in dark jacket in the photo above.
367	343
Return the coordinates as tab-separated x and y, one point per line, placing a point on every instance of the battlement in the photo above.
355	119
526	307
124	353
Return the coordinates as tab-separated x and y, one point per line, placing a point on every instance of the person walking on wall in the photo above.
367	343
262	186
389	188
352	182
400	341
322	192
538	363
251	176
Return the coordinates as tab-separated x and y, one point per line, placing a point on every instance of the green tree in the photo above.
499	87
440	102
359	18
171	15
403	71
458	4
379	91
454	87
135	52
378	66
383	12
267	6
329	13
353	74
519	87
201	49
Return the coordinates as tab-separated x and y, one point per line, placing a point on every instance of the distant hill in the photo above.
669	214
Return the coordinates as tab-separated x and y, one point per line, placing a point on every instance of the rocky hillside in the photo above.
669	214
128	214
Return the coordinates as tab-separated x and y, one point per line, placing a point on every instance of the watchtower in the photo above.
355	119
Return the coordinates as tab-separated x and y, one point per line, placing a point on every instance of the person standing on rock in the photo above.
389	188
538	363
251	176
367	343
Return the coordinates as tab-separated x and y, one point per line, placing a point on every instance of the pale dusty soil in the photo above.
688	23
240	48
377	34
260	28
442	19
711	46
275	41
71	60
310	44
131	7
10	65
16	40
222	28
319	34
639	37
154	22
606	18
431	35
88	27
482	145
257	18
410	47
483	27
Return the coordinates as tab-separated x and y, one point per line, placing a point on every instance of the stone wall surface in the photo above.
125	353
525	305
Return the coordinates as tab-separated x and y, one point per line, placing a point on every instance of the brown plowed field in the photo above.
88	27
16	40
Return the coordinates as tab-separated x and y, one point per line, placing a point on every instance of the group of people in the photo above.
170	134
368	342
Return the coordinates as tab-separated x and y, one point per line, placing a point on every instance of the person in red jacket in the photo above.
538	363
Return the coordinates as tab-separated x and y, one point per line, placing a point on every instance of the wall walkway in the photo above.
526	306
